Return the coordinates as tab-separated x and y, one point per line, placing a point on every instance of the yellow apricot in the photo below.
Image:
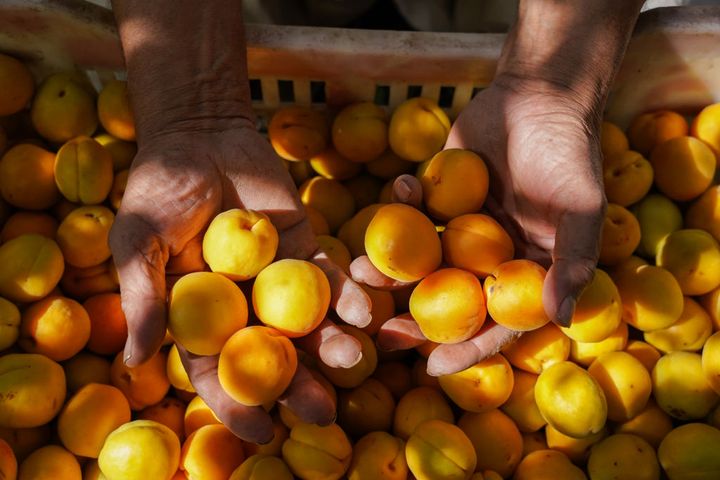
520	405
417	406
85	282
122	152
620	235
336	250
598	312
317	453
16	84
352	232
684	167
143	385
366	408
496	439
625	382
330	164
706	126
22	223
198	414
584	353
50	462
114	111
9	323
704	213
418	129
651	297
118	189
437	449
477	243
649	130
623	457
690	452
170	412
27	179
644	352
63	108
576	449
389	165
360	132
514	295
482	387
688	333
85	368
204	310
711	361
681	388
83	236
262	467
329	197
378	455
211	452
298	133
317	221
652	424
627	177
693	257
547	465
83	171
538	349
176	373
139	450
57	327
571	400
658	216
355	375
612	139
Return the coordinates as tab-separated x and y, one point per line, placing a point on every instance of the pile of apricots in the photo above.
631	390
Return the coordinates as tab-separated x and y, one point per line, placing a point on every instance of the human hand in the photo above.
179	181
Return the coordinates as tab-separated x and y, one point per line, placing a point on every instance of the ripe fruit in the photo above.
684	167
50	461
658	217
477	243
16	85
482	387
84	171
688	333
143	385
329	197
496	439
27	179
57	327
330	164
83	236
584	353
262	467
651	129
690	451
612	139
437	449
623	457
360	132
114	112
314	452
625	382
598	312
298	133
681	388
620	235
355	375
9	323
651	297
520	405
380	456
627	176
23	223
693	257
211	452
706	126
539	349
418	129
417	406
64	108
704	213
547	465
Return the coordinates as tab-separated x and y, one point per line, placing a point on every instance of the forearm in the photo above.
186	63
570	46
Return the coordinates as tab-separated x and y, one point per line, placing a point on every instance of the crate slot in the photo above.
317	91
286	91
256	93
382	95
414	91
445	98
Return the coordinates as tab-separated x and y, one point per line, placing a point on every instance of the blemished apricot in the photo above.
417	406
454	182
649	130
317	221
378	455
83	236
176	373
51	461
83	171
571	400
330	164
448	305
336	250
32	267
477	243
22	223
114	112
623	457
496	439
122	152
576	449
291	296
547	465
520	405
313	451
239	243
256	365
598	312
143	385
704	213
539	349
418	129
688	333
9	323
625	382
89	416
8	462
514	295
482	387
16	84
85	368
64	108
352	232
355	375
262	467
684	167
85	282
360	132
644	352
584	353
108	326
383	308
620	235
211	452
170	412
651	297
366	408
438	449
27	179
681	388
658	216
711	363
402	243
32	390
57	327
651	424
204	310
329	197
298	133
365	189
690	451
627	177
198	414
612	140
138	450
389	166
693	257
706	126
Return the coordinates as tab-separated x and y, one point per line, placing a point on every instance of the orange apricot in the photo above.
298	133
417	406
85	368
620	235
317	221
122	152
612	139
64	108
418	129
170	412
336	250
83	171
693	257
10	323
383	308
211	452
360	132
16	84
496	439
651	297
313	451
57	327
8	462
585	353
627	176
704	213
365	189
538	349
51	461
22	223
329	197
514	295
83	236
32	267
114	111
706	126
684	167
482	387
198	414
143	385
625	382
389	165
352	232
27	179
651	424
520	405
108	331
330	164
477	243
86	282
649	130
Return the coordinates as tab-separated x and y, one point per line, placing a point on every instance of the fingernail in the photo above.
566	311
353	362
403	190
128	355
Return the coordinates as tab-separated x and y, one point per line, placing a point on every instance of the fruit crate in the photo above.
673	60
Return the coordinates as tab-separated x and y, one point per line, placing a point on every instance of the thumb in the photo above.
140	256
575	256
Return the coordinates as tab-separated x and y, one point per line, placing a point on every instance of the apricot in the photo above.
693	257
360	132
417	406
482	387
51	462
315	452
143	385
704	213
108	326
298	133
402	243
204	310
57	327
644	352
114	111
477	243
520	405
91	471
420	377
24	441
576	449
627	177
299	171
122	152
389	166
688	333
86	282
706	126
330	164
170	412
649	130
612	139
329	197
317	221
211	452
8	462
625	382
27	179
16	84
438	449
598	312
651	297
571	400
366	408
652	424
83	236
292	296
336	250
681	388
454	182
418	129
383	308
239	243
538	349
63	108
690	451
85	368
256	365
684	167
711	361
176	373
9	323
32	266
378	455
355	375
496	439
514	295
198	414
623	457
138	450
547	465
22	223
386	193
658	217
620	235
32	390
262	467
83	171
365	190
533	442
584	353
352	232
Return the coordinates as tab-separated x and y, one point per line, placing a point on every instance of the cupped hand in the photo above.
178	182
